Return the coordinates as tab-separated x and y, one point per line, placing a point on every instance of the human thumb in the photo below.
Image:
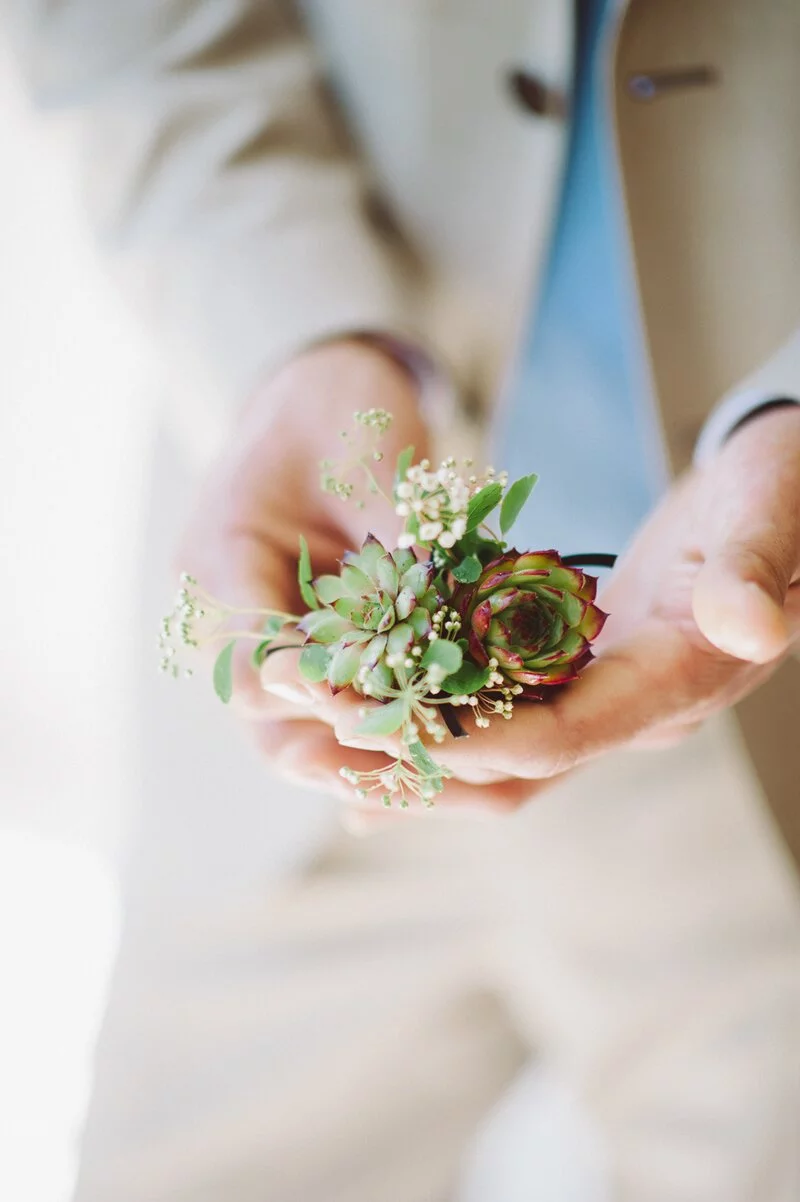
753	553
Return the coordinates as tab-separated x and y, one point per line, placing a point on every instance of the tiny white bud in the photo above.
405	490
447	539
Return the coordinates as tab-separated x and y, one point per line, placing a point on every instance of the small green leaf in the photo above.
273	625
304	576
223	673
343	666
514	501
329	589
314	661
468	571
404	460
468	679
384	719
271	628
485	549
260	653
420	758
445	655
483	503
324	626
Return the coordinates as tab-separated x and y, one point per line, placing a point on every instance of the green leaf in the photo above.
468	679
384	719
324	626
444	654
404	460
468	571
343	666
304	576
483	503
485	549
314	661
273	625
329	589
418	754
223	673
514	501
271	628
259	655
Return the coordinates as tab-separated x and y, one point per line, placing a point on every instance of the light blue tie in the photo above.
577	410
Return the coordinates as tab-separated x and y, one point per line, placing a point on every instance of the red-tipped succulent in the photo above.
534	616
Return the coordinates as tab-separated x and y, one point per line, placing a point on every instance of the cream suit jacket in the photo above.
270	173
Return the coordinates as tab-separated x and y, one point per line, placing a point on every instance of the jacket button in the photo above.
534	96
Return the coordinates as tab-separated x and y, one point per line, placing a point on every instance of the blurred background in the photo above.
76	420
92	494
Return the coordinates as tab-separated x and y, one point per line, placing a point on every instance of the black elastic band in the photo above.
591	560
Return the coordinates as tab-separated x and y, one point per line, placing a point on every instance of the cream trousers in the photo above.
360	1025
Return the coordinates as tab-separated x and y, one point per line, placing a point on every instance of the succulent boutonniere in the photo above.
449	618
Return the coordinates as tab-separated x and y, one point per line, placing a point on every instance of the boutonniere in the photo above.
449	619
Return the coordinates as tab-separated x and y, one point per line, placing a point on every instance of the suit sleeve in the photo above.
777	381
217	178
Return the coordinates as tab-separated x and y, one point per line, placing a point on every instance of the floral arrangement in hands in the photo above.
449	618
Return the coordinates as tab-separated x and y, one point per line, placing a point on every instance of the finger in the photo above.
248	574
348	719
456	799
740	591
654	678
309	754
300	751
661	738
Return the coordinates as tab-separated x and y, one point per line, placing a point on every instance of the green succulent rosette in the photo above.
534	616
374	615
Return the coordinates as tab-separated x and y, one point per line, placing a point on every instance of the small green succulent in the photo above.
375	616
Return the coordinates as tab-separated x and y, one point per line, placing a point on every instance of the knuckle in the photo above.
695	676
754	563
542	763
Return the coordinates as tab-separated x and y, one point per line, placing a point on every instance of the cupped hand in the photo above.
242	541
703	607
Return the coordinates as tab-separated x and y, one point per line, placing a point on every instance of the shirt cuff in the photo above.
438	398
776	382
728	416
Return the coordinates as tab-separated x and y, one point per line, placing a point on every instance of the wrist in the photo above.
778	404
326	383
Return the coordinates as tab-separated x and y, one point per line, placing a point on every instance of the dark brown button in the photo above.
534	95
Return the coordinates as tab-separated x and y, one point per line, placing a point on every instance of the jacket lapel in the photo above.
716	241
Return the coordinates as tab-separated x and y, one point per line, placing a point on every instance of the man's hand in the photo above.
242	543
703	607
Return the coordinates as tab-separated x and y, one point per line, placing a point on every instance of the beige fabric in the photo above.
713	194
341	1036
221	183
220	177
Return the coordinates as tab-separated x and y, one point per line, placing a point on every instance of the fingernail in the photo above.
354	823
361	744
288	692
